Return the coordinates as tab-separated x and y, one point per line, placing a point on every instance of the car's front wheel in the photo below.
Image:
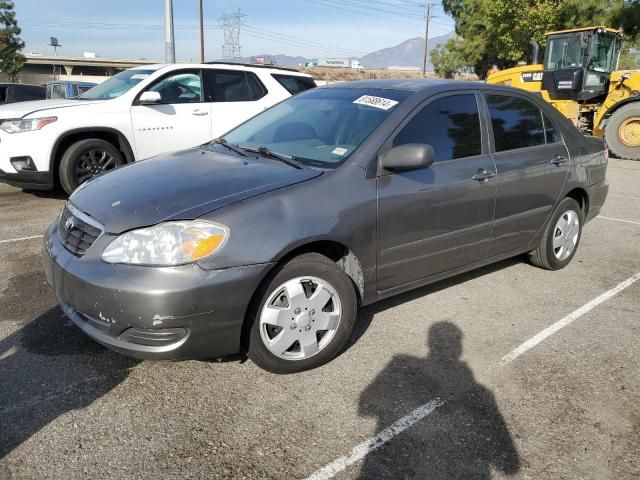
304	317
561	237
85	159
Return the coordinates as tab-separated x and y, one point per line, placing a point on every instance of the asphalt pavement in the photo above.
509	371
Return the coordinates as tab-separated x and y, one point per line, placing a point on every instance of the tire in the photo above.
622	132
81	162
554	258
317	281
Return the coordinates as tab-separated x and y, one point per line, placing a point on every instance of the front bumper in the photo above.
165	313
28	180
19	145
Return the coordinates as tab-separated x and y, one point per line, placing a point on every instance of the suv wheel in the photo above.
561	237
86	159
306	313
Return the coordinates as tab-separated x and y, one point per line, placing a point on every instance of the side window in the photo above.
256	89
550	130
58	91
451	125
517	123
182	87
293	83
230	86
3	94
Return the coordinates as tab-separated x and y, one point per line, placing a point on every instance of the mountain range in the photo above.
408	53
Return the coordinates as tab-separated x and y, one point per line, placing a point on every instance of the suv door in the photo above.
439	218
181	120
236	96
532	164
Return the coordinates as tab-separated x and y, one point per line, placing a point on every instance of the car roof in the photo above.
220	65
423	85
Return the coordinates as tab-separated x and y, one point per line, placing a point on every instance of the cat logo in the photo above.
531	77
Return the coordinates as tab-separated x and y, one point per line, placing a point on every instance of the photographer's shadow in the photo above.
465	438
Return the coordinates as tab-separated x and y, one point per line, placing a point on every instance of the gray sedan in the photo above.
268	240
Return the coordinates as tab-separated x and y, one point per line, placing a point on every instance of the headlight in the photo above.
167	244
26	125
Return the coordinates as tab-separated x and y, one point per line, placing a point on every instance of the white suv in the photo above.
137	114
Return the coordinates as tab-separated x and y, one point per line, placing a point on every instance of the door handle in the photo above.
559	160
199	113
483	175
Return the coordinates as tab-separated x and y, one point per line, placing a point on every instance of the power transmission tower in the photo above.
428	16
231	24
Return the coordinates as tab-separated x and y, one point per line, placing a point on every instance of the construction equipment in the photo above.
579	76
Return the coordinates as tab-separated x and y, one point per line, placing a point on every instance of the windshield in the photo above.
564	52
603	53
116	85
320	126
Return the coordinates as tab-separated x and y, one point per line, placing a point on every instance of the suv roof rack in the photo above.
274	67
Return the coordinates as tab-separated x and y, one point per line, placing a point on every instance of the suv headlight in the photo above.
167	244
26	125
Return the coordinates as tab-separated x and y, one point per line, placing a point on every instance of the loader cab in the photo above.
578	63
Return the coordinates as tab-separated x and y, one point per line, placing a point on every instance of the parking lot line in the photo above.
20	239
551	329
624	196
373	443
618	220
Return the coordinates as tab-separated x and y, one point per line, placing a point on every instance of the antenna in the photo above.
55	44
231	24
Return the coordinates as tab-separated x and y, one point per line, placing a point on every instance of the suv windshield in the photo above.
116	85
320	126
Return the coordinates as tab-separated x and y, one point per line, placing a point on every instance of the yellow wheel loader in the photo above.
579	76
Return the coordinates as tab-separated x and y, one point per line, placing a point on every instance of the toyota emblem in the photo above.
70	223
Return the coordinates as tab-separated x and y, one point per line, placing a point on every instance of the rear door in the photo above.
235	97
532	165
181	120
439	218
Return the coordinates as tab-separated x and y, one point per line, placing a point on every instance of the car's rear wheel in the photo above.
304	317
86	159
561	237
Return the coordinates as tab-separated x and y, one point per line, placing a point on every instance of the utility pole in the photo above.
169	38
427	19
201	34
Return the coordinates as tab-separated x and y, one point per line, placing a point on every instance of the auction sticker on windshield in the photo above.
377	102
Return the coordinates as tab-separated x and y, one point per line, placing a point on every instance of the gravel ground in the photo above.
566	409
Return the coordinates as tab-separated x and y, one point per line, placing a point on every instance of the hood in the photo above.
181	186
22	109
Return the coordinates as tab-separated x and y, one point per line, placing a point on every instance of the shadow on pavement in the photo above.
465	438
48	367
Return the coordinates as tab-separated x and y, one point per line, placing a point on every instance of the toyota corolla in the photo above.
267	240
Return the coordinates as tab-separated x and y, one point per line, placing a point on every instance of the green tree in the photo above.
11	60
498	32
449	59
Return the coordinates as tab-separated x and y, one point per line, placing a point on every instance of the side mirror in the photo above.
149	98
410	156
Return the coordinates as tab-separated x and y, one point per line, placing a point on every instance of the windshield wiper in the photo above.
230	146
265	152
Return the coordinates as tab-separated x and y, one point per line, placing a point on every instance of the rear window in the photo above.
294	84
233	86
517	123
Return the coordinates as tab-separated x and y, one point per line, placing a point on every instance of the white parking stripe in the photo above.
550	330
618	220
11	240
373	443
624	196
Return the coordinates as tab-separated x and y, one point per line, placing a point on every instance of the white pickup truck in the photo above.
138	113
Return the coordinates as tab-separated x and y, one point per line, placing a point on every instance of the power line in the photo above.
428	16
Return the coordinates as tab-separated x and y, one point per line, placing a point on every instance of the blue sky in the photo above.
134	28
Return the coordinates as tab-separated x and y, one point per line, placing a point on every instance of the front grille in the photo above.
76	234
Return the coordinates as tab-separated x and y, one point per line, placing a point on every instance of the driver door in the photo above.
181	120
